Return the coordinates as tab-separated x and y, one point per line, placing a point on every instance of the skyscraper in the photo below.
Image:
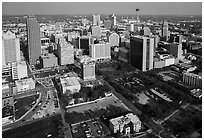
34	46
113	20
176	50
96	20
141	52
165	30
10	48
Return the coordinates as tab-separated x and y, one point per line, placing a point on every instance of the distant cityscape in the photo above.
101	76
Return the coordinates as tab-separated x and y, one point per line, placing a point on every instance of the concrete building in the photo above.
100	51
96	31
70	83
192	80
48	60
176	50
142	52
25	84
10	48
19	70
165	32
113	39
145	31
88	69
33	36
96	20
107	24
7	101
65	53
130	27
125	124
83	43
113	20
44	41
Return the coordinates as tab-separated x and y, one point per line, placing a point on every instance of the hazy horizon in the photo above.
102	8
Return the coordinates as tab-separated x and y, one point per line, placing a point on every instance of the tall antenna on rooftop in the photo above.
137	14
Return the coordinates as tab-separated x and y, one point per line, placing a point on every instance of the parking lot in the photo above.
93	128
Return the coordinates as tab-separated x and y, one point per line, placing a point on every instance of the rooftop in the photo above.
69	81
127	118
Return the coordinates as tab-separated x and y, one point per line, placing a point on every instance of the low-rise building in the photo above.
192	79
19	70
70	83
48	60
24	84
125	124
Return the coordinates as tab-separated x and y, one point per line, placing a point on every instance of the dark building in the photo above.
33	35
83	43
141	52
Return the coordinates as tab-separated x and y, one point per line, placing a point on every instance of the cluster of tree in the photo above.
110	112
185	127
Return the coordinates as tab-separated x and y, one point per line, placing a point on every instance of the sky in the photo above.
118	8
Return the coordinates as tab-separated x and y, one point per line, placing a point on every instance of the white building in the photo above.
125	124
70	83
25	84
100	51
19	70
113	39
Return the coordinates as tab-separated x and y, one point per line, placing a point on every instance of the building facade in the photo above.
192	80
19	70
65	53
49	60
88	69
10	48
100	51
70	83
113	39
96	20
176	50
125	124
165	32
142	52
96	31
34	43
24	85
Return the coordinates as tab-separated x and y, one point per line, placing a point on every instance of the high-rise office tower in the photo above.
113	20
96	20
34	46
176	50
10	48
165	30
83	44
141	52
